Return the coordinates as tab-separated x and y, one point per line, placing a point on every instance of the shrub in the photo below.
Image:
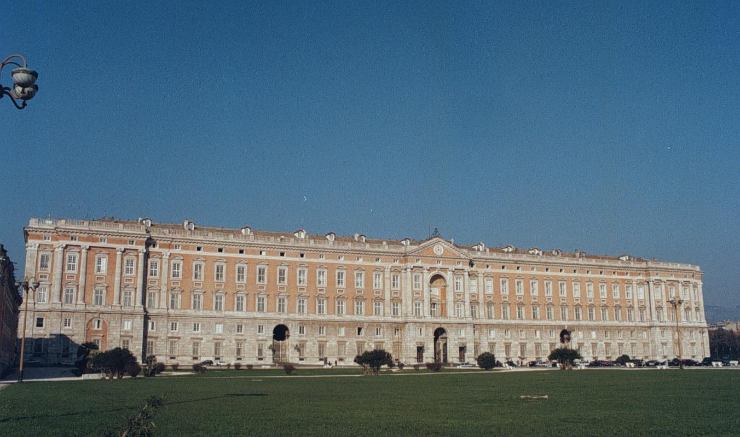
564	356
141	424
174	367
199	368
289	368
158	368
152	367
417	367
133	369
250	367
372	361
237	366
486	361
435	366
228	366
114	362
85	354
401	365
622	359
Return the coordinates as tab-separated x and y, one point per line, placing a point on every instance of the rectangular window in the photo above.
459	310
126	326
519	312
175	299
196	350
641	292
129	266
67	322
534	288
127	298
505	312
395	309
218	302
591	313
196	327
604	314
302	277
152	325
282	278
578	313
561	289
360	280
260	304
590	290
72	263
417	281
377	280
340	278
241	273
44	262
172	348
302	305
548	288
549	313
340	307
458	284
99	297
489	285
198	301
261	274
101	264
359	307
176	269
602	291
260	329
321	305
490	313
504	286
69	296
39	322
628	292
197	271
395	281
239	349
301	330
577	289
321	278
563	313
153	268
535	313
377	308
219	328
615	291
217	350
239	302
174	326
239	328
417	309
219	273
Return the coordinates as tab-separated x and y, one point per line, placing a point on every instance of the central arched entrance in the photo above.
280	335
440	345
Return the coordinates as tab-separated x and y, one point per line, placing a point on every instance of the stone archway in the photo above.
280	335
440	345
438	296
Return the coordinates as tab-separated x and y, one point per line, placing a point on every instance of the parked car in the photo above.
637	363
206	363
466	366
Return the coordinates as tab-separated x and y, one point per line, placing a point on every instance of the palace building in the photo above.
187	293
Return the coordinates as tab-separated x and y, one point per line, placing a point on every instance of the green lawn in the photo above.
590	402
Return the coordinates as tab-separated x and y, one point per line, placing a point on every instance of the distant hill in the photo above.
717	313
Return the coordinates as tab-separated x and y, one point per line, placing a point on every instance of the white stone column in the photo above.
406	292
56	285
139	278
83	275
165	277
117	279
450	294
386	294
427	295
466	294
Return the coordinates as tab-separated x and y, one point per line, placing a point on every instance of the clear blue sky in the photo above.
613	127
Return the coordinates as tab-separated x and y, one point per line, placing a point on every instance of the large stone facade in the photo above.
187	293
9	302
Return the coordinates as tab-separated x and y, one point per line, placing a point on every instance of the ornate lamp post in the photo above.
24	81
26	286
676	303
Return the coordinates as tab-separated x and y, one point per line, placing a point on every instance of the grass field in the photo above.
590	402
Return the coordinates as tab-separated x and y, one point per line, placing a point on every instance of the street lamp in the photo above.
27	286
24	81
676	303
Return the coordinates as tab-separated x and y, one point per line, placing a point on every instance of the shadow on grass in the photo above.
127	408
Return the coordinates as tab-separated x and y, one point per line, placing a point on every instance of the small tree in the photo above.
199	368
115	362
564	356
288	368
486	361
622	359
85	354
372	361
152	367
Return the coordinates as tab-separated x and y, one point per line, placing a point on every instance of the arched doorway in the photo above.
280	335
438	296
440	345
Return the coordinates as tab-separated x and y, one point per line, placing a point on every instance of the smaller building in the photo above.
10	302
727	325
